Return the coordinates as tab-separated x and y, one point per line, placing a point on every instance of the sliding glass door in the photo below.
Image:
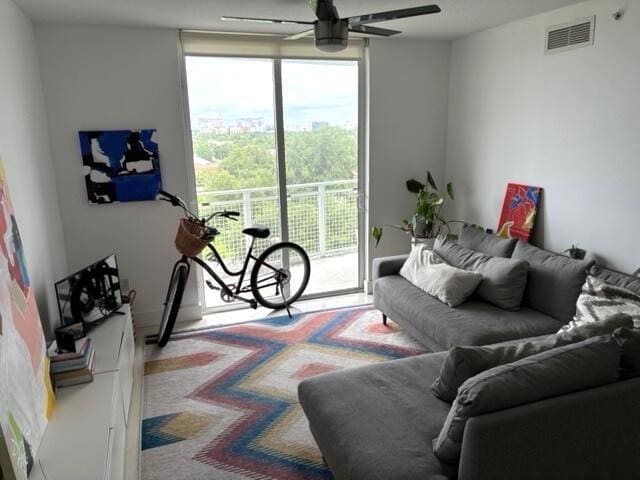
320	103
277	140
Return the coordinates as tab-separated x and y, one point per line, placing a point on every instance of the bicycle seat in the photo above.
258	231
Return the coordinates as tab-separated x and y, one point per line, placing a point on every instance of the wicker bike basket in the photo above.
191	237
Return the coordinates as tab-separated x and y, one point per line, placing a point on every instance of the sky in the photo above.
233	88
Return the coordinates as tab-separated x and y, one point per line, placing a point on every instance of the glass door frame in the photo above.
362	155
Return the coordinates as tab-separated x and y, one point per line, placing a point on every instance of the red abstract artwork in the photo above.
518	211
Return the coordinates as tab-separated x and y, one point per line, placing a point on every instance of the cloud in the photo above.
233	88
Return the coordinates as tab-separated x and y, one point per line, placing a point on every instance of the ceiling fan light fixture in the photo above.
331	36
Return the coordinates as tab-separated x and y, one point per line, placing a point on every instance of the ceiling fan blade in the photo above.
265	20
296	36
383	32
393	14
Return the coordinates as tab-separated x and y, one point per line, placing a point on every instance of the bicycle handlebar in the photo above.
178	202
169	197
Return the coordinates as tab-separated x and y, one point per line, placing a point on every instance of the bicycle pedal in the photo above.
211	285
253	304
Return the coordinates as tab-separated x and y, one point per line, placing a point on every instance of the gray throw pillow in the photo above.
503	279
488	243
629	341
554	281
464	362
562	370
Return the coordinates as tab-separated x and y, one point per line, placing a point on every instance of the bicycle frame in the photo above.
237	289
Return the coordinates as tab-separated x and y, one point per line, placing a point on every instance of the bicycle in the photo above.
274	267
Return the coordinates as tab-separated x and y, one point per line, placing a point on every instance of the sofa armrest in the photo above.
384	266
592	434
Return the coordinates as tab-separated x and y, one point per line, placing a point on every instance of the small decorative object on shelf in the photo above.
575	252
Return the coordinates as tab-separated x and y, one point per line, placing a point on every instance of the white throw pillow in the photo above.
427	271
600	300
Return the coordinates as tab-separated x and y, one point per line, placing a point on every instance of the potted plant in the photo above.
427	221
575	252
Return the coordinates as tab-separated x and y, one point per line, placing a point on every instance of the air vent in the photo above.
571	35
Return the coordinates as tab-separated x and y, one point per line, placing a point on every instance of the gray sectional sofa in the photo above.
380	421
552	288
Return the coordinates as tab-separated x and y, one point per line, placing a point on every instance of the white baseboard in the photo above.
151	318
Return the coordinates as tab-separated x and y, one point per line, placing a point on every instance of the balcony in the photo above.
323	219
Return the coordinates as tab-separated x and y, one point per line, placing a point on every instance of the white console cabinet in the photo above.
85	437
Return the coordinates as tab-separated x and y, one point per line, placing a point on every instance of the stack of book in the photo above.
74	368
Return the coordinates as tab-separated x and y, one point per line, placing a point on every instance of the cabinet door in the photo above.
127	352
118	432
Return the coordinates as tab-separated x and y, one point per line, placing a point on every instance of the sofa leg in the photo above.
384	319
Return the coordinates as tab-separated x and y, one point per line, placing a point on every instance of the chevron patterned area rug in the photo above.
221	403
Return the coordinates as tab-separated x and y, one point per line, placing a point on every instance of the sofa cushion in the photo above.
562	370
617	279
377	422
629	341
462	363
599	300
554	281
480	241
440	327
427	271
503	279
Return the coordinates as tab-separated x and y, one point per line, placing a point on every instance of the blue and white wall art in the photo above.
120	165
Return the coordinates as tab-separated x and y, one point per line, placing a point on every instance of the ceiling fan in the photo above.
332	32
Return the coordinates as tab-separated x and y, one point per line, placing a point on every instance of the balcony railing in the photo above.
323	217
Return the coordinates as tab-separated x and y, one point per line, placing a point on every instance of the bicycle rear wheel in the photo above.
172	302
283	269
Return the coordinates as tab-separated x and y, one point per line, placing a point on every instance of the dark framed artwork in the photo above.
120	165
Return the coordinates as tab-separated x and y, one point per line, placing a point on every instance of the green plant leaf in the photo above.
450	190
431	181
376	233
414	186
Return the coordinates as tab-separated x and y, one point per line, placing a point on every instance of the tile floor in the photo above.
132	468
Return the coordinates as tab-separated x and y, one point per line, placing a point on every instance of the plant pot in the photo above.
427	242
577	253
418	226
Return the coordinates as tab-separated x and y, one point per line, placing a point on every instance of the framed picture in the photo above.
26	397
120	165
518	213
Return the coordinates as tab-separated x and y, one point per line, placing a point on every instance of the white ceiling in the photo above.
458	17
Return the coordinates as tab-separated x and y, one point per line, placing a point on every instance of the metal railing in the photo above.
323	217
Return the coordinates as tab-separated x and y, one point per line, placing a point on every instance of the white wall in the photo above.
114	78
567	122
408	125
24	150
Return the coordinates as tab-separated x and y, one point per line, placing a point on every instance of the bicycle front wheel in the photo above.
172	303
280	275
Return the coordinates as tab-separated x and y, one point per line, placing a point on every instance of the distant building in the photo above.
202	164
211	125
249	125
